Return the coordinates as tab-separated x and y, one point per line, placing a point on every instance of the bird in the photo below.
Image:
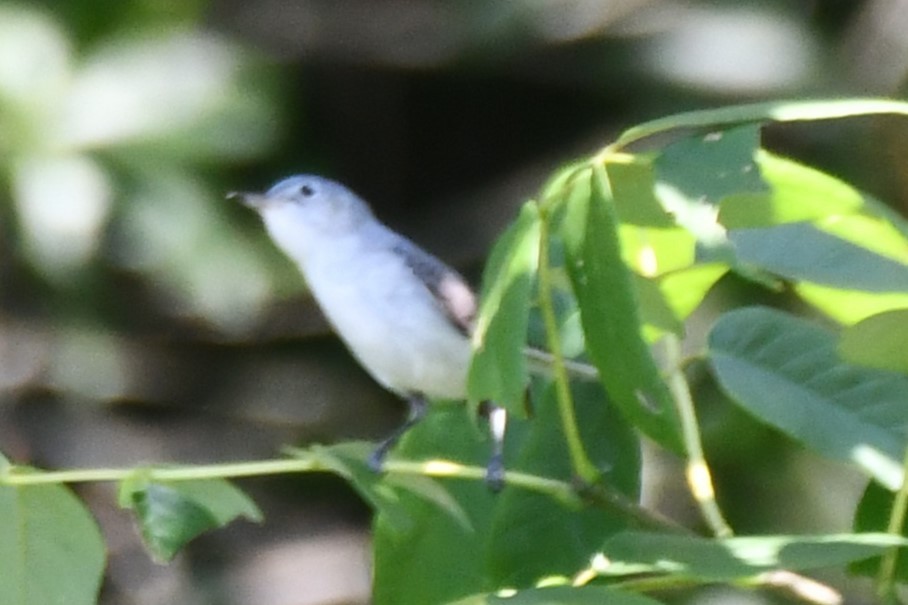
405	315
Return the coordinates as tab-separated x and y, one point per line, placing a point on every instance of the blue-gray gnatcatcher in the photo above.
404	314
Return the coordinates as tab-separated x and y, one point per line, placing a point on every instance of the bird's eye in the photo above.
307	191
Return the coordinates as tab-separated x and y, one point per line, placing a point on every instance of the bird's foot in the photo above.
495	473
376	460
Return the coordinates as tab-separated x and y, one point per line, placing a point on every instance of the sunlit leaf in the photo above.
734	558
878	234
697	172
668	300
773	111
657	316
685	289
880	341
560	595
786	372
707	168
797	193
653	252
850	306
802	252
633	183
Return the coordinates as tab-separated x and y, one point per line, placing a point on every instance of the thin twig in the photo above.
699	478
543	362
585	469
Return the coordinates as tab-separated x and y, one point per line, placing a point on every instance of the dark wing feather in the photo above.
451	291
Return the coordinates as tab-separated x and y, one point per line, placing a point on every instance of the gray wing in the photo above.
451	291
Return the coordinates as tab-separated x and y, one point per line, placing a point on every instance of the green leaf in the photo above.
560	595
168	520
383	491
850	306
517	536
785	371
51	548
651	242
434	558
170	514
873	515
608	310
498	371
525	525
653	252
562	178
695	173
734	558
890	219
802	252
874	229
223	500
685	289
709	168
797	193
880	341
633	182
774	111
657	316
666	301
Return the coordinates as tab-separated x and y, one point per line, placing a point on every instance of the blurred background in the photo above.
145	319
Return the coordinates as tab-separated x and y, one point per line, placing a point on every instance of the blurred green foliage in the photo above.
106	153
126	278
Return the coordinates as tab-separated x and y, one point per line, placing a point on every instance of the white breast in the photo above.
388	318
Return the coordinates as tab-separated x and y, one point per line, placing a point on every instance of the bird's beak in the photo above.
256	201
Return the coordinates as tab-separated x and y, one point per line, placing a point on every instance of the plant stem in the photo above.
584	468
21	477
885	583
799	587
541	362
699	479
314	461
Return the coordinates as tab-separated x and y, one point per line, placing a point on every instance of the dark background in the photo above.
167	329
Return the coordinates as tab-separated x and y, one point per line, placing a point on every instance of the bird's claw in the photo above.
495	473
376	460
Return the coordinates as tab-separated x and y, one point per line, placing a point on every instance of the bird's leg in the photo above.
417	405
498	417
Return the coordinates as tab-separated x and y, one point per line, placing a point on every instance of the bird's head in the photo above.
306	206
